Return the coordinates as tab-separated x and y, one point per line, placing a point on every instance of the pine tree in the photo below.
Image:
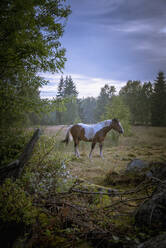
67	97
158	104
69	87
60	92
60	96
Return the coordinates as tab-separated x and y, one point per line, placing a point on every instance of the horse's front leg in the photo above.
76	149
101	149
92	147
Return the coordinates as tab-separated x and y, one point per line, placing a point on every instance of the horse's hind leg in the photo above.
92	147
101	150
76	149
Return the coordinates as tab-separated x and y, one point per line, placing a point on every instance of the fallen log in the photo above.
15	168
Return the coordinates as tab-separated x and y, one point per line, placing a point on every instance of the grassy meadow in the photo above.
147	143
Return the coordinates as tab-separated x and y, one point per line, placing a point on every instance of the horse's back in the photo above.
90	130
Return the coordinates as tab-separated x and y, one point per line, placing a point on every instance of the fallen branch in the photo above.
15	168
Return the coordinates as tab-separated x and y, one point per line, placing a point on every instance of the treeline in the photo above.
138	103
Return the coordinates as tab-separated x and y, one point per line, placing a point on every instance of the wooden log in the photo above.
15	168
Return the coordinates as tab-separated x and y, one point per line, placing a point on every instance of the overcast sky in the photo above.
112	41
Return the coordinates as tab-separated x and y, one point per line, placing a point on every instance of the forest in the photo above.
49	198
136	103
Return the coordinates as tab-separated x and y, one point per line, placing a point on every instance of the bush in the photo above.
12	143
15	205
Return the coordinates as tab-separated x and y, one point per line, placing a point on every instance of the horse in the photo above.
94	133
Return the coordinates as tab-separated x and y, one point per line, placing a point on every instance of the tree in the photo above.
131	93
67	97
106	94
60	92
70	88
87	107
145	100
60	96
116	108
70	93
158	105
29	32
29	44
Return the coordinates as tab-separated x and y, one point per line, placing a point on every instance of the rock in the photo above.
158	241
152	213
137	164
158	170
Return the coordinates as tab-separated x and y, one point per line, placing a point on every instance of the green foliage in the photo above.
67	94
69	87
87	107
145	99
12	145
105	96
15	205
49	173
117	109
158	106
137	97
30	33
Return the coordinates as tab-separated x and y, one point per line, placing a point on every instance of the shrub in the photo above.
15	205
12	143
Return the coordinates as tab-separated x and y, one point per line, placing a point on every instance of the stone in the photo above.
137	164
152	213
156	242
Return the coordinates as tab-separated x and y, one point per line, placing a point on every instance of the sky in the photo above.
111	42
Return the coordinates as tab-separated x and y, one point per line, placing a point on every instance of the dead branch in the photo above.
15	168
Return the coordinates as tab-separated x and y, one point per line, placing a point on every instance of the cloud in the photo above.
112	41
86	86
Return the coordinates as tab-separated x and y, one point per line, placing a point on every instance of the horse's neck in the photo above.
107	129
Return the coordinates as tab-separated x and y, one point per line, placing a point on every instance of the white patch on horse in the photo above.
92	129
121	127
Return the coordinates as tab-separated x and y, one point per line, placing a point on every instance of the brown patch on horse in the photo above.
101	134
78	133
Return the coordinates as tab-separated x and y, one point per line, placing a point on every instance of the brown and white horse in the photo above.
94	133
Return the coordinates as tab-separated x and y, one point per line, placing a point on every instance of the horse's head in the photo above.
116	125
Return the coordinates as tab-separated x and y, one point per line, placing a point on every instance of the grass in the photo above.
147	143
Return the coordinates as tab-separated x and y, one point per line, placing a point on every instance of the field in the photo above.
147	143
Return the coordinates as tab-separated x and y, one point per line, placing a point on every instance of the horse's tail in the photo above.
67	138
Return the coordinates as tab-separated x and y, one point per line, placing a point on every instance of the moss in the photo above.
126	179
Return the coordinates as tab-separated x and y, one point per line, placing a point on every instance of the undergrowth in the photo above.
56	209
12	143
